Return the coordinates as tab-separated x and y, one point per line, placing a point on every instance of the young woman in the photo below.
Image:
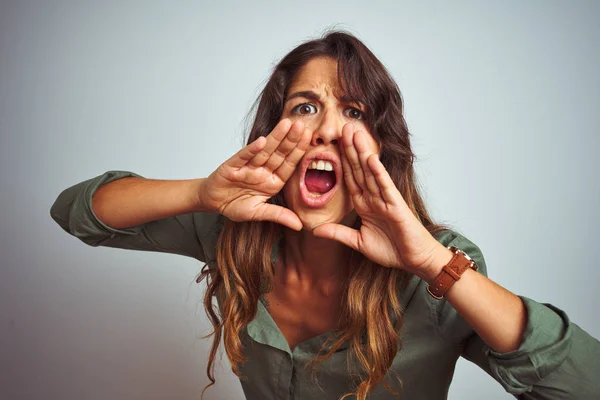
328	274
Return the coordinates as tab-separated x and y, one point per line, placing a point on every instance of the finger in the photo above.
274	139
289	163
387	187
287	146
353	187
280	215
340	233
364	152
241	158
352	155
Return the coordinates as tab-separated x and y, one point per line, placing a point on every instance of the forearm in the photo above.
133	201
495	314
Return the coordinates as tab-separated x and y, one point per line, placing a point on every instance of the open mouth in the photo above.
321	173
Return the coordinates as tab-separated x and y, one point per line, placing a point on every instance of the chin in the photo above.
311	220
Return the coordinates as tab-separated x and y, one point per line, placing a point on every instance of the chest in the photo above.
424	364
302	316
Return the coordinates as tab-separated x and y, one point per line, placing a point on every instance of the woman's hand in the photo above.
240	188
390	234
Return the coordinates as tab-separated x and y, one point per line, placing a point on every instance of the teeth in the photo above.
321	165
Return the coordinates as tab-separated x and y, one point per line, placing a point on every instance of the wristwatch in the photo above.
451	272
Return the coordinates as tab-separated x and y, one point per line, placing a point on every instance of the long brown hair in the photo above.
371	313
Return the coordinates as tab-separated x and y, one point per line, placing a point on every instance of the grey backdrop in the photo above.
502	99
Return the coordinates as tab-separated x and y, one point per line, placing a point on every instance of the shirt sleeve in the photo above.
193	234
555	360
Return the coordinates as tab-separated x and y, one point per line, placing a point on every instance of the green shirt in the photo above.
556	359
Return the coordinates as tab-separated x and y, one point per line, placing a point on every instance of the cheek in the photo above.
291	189
287	194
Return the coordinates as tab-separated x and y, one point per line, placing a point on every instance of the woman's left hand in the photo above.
390	234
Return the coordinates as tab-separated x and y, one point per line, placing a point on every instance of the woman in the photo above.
330	277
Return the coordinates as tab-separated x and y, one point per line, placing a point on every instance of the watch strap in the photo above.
450	273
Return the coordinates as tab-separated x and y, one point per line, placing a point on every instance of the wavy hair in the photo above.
372	315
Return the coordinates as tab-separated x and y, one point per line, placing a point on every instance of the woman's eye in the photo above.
354	113
305	108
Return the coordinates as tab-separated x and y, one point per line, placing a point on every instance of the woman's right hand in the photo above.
241	186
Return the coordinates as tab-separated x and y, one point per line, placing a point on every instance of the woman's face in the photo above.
316	192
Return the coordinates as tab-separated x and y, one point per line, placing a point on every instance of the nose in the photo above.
329	130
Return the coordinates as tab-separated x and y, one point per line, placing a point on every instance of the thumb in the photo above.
280	215
340	233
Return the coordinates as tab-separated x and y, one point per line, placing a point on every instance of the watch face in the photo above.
457	250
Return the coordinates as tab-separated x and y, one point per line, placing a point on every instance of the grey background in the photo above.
502	99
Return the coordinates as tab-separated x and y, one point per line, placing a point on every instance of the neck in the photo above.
313	263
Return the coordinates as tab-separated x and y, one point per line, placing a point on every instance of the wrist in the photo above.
442	257
199	195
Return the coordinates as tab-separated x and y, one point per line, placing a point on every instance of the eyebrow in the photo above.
309	94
